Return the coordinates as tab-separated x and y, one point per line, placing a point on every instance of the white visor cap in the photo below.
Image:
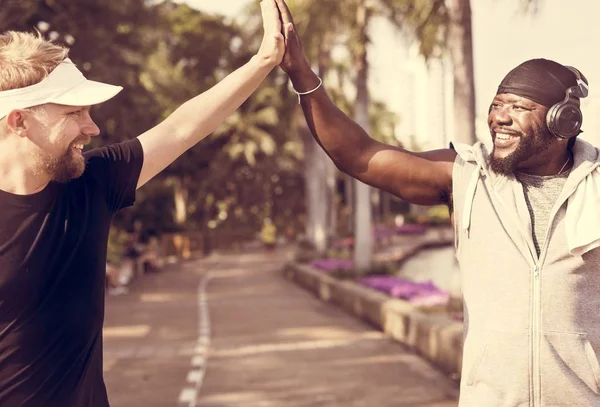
65	85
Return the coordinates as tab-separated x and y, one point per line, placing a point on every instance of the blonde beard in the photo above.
61	169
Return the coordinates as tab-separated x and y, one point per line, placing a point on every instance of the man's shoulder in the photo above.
114	151
475	153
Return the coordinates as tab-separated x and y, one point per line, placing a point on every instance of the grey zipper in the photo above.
537	323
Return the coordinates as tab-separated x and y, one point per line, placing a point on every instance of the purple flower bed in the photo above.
382	232
425	293
331	265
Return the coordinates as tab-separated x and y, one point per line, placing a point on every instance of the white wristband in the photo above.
308	92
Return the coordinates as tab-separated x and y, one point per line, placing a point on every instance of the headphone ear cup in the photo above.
564	120
550	119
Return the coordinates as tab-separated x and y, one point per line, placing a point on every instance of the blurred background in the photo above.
414	73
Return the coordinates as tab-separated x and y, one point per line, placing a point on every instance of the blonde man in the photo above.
56	204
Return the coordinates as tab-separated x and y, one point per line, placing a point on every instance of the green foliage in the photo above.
435	215
383	123
320	23
425	20
117	243
250	129
188	55
14	14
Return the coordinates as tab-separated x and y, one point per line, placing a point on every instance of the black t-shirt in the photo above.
52	273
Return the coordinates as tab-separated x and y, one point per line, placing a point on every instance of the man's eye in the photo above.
493	106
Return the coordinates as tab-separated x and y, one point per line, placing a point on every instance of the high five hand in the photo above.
272	47
294	58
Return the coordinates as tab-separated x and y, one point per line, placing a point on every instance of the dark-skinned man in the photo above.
527	225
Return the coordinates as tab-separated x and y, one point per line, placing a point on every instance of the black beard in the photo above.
535	144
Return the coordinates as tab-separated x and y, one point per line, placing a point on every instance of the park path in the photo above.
229	330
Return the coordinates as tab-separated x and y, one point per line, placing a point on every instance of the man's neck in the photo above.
16	177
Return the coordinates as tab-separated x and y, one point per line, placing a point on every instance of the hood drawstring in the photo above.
469	198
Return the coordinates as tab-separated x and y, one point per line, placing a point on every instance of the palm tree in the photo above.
249	128
460	45
363	238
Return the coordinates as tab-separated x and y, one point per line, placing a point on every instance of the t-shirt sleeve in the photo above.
116	169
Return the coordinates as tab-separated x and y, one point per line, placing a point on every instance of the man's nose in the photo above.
500	115
89	128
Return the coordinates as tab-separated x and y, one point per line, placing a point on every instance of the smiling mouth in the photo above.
79	144
505	140
506	136
78	147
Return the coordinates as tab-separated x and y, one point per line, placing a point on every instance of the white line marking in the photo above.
198	361
188	396
195	377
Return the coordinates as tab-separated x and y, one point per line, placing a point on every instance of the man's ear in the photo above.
16	122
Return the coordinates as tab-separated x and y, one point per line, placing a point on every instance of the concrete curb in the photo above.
436	338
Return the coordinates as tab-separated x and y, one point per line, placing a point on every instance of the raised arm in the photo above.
200	116
421	178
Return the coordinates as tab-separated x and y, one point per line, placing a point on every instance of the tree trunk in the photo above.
318	167
324	63
460	41
363	238
386	203
332	199
350	207
315	161
180	198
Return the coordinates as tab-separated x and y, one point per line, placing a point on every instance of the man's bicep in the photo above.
161	147
420	178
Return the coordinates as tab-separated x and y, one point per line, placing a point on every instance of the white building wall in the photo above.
419	92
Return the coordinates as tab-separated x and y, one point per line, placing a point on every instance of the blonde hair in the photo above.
27	58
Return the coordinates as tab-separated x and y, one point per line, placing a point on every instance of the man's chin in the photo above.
69	171
499	153
501	164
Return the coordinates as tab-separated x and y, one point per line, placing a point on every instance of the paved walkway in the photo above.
271	344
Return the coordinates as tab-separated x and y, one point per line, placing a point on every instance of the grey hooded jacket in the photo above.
532	325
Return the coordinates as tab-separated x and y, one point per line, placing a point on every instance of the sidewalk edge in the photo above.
436	338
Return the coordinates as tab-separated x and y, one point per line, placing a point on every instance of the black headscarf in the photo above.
540	80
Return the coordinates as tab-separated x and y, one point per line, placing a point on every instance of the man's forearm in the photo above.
200	116
340	136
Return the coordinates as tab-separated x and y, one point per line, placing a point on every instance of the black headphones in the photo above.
564	118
